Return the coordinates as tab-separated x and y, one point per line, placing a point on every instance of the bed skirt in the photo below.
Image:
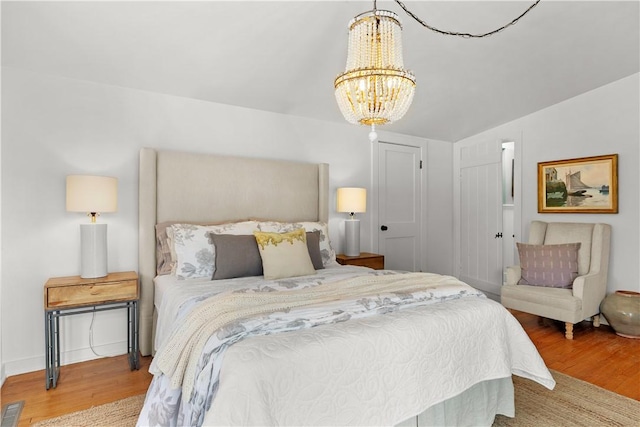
476	406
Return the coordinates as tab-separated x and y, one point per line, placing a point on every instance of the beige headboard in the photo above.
179	186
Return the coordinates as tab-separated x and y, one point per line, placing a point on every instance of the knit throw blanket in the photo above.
178	358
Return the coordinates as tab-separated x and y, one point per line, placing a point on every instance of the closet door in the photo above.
480	216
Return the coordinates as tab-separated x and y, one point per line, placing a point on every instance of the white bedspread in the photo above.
378	370
375	371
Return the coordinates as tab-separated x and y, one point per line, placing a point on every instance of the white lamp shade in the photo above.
87	193
352	199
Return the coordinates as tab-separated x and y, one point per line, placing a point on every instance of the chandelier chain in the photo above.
464	35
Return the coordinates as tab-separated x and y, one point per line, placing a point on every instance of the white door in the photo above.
480	245
399	206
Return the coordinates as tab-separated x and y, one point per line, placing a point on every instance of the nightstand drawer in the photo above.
75	295
74	291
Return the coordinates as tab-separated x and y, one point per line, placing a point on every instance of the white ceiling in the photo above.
284	56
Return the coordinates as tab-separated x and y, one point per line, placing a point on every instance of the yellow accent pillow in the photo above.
284	254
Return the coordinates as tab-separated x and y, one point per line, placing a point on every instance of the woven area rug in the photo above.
120	413
572	403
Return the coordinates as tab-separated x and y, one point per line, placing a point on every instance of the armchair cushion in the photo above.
553	303
553	266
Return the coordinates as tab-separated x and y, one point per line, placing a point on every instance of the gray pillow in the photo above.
236	256
313	245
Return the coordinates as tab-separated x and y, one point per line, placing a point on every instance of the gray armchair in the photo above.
589	288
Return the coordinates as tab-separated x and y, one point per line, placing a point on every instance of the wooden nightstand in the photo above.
65	296
365	259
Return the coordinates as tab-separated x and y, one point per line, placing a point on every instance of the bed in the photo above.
430	351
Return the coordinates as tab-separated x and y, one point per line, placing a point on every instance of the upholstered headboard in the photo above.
191	187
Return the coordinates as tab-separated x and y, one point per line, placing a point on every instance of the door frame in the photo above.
517	196
375	167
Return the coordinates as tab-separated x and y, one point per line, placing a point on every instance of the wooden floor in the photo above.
80	386
595	355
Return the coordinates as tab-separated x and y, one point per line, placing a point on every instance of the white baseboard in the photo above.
32	364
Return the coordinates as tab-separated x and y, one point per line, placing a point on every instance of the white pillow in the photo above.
284	254
327	252
194	254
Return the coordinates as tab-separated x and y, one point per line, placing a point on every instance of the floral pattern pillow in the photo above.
327	252
194	254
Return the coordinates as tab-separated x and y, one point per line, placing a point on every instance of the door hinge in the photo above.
420	164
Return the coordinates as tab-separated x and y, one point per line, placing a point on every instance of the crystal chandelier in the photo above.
375	88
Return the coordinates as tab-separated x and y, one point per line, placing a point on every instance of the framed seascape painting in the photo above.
584	185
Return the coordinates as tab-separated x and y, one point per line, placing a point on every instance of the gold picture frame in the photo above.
583	185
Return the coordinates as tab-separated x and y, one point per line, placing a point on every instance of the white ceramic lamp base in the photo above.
352	237
94	250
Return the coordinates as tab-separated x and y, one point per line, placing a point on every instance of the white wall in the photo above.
53	127
439	245
2	371
603	121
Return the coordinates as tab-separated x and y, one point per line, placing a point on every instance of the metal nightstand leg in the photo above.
47	350
55	363
132	335
52	348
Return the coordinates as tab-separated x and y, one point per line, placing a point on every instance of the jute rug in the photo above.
572	403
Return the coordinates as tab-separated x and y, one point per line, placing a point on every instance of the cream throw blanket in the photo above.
179	357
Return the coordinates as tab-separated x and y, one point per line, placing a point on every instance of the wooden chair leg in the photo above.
596	320
568	330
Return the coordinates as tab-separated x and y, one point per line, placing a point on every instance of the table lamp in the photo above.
92	195
352	200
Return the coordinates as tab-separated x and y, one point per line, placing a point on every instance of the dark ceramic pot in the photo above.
622	311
